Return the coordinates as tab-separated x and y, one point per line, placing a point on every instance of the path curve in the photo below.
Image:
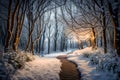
69	70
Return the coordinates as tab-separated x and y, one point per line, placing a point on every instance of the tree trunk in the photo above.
17	38
11	28
115	19
43	40
48	45
63	43
49	39
32	48
18	32
31	23
104	26
40	45
81	45
16	42
101	42
30	37
93	39
66	43
105	43
8	25
56	30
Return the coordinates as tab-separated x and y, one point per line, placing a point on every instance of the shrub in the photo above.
109	64
94	59
12	61
106	62
86	55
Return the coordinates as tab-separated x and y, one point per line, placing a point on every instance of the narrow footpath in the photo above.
68	69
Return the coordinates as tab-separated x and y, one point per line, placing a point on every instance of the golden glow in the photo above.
79	34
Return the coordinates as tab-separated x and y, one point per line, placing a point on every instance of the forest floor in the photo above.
39	69
69	70
82	64
95	65
90	64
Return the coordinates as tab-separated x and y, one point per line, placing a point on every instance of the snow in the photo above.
39	69
48	67
89	71
80	52
55	54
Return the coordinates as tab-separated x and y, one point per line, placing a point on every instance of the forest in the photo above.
56	35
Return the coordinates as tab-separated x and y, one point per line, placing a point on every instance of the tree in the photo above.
114	14
20	21
11	22
41	8
93	39
56	29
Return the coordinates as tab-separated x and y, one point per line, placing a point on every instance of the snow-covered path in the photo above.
39	69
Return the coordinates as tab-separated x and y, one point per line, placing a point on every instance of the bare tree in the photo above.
114	14
56	29
11	21
20	21
40	10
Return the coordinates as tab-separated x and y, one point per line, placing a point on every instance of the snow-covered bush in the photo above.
12	61
6	70
86	55
94	59
17	59
106	62
93	56
109	62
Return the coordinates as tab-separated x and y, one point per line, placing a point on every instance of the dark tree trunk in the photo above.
8	25
66	44
115	20
56	29
43	41
81	45
105	43
49	39
63	43
104	26
11	22
48	45
101	42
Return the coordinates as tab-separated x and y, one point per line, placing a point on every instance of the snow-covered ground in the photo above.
39	69
48	67
89	71
55	54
